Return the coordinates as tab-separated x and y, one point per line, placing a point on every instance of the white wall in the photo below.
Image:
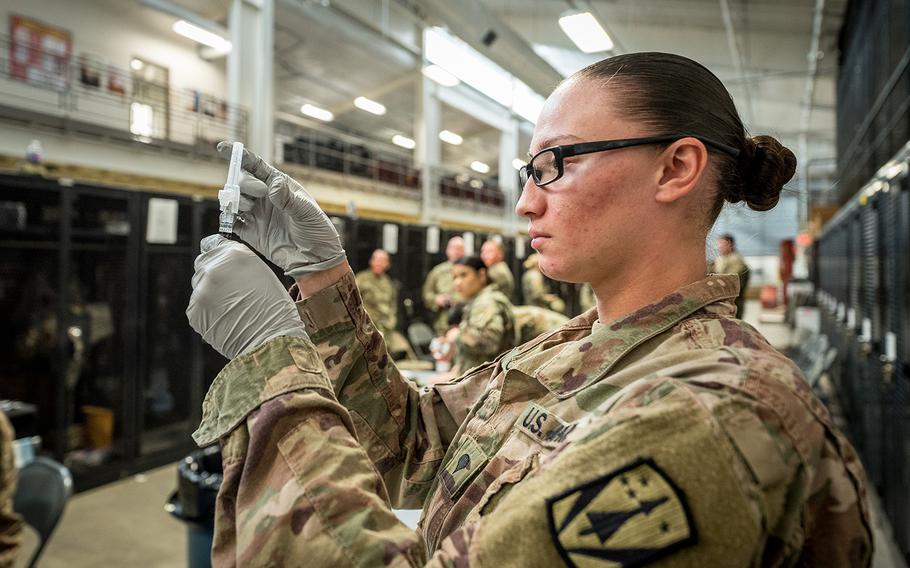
118	30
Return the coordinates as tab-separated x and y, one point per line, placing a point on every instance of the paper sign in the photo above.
867	329
161	227
468	244
519	247
891	346
432	240
390	238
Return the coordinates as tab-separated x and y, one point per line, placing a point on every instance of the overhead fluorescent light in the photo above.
440	75
450	137
585	32
201	35
480	167
316	112
404	142
369	105
518	163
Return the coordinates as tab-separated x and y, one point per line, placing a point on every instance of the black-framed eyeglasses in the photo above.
547	165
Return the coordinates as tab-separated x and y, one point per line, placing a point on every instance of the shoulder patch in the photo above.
629	517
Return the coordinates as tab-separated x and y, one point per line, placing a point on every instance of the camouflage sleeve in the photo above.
404	430
10	522
480	334
429	290
681	473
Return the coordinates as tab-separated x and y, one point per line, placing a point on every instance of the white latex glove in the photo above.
238	303
282	221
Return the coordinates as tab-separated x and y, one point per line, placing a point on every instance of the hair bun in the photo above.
766	166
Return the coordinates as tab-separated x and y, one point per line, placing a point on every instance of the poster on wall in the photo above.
39	53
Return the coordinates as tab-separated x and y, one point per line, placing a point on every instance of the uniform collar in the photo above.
589	354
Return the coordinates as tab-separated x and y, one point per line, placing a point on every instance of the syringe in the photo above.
229	197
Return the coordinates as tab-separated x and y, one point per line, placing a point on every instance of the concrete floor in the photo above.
124	523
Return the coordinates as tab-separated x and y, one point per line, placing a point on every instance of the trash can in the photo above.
198	480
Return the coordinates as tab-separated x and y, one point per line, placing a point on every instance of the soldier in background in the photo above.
532	321
439	287
493	255
534	288
379	292
729	261
487	326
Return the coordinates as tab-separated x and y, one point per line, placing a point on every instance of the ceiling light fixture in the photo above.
480	167
585	31
201	35
369	105
136	64
450	137
440	75
404	142
317	113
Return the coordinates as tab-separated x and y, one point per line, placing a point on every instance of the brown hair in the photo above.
674	94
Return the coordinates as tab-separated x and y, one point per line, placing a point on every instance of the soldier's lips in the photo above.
537	239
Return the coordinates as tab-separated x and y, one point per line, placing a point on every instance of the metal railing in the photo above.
326	152
82	91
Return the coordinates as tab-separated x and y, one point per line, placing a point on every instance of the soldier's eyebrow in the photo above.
553	141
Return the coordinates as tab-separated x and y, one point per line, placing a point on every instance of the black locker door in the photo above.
414	265
165	396
868	365
894	249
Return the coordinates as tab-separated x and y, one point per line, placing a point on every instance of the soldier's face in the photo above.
468	282
379	262
586	225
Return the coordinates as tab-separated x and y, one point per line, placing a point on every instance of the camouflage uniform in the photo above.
534	288
487	329
734	263
380	298
674	436
586	298
502	280
439	281
531	321
10	522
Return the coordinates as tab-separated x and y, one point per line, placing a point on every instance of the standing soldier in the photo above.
499	274
439	287
380	295
729	261
535	289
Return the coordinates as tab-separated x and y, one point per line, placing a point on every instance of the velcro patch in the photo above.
628	517
467	459
544	426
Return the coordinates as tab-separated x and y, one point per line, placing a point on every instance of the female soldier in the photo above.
657	429
487	326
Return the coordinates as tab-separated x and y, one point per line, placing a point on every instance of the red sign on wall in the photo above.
39	53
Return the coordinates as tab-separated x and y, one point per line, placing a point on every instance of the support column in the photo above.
508	176
250	73
428	153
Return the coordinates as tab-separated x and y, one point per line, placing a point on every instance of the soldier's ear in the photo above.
680	169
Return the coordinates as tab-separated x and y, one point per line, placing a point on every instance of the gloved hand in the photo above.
237	303
282	221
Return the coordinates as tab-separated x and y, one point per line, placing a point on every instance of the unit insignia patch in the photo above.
628	517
